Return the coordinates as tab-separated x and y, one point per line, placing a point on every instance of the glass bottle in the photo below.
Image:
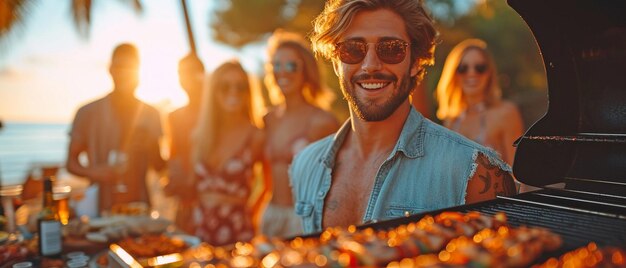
48	223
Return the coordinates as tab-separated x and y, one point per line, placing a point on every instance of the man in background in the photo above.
119	135
182	123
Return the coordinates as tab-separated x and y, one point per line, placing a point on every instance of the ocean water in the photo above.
27	146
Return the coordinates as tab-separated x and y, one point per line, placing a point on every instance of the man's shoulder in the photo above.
149	108
438	136
178	112
176	115
94	106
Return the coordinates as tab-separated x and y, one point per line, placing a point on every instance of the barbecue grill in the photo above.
581	141
577	152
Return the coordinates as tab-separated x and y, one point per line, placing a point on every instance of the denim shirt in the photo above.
428	169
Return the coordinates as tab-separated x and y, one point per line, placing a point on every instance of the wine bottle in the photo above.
49	224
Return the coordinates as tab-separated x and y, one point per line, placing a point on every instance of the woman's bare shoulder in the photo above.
323	118
270	115
321	123
506	114
506	108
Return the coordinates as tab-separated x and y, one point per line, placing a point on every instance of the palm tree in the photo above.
13	13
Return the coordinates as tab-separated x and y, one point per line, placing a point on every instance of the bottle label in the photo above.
50	233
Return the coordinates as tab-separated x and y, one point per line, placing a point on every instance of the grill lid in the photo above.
581	140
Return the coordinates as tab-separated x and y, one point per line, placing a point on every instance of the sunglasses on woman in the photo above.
288	67
478	68
389	51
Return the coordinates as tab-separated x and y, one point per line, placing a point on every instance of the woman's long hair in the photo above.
449	93
211	115
314	90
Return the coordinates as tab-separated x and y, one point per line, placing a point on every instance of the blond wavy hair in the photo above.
205	133
314	91
337	16
449	93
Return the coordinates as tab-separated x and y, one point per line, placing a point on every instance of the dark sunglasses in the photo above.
389	51
288	67
478	68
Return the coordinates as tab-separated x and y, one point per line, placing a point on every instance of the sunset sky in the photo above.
47	70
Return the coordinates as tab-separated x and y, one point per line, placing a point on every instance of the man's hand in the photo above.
96	173
102	173
488	182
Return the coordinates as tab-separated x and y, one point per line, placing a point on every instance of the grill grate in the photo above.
576	228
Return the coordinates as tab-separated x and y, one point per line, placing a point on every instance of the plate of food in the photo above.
100	260
148	250
3	236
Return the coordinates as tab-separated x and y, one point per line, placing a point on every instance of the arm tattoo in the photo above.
487	180
506	187
482	161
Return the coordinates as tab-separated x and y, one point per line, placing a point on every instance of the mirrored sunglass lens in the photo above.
391	51
462	69
276	66
352	52
481	68
291	67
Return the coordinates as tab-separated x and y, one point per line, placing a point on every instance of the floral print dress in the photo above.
225	218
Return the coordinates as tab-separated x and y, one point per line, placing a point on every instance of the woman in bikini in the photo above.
470	103
299	116
227	146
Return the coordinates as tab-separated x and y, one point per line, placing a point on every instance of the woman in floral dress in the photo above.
228	146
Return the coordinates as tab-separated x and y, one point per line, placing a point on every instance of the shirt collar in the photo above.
410	143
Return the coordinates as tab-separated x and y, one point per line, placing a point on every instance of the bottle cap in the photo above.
76	264
24	264
74	254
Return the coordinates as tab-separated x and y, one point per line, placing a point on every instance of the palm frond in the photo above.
82	13
12	14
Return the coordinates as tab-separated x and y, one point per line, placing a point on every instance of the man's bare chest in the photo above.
351	187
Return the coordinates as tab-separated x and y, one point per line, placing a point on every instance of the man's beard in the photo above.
370	111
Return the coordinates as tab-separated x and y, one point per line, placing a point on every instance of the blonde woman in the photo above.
299	116
470	101
228	144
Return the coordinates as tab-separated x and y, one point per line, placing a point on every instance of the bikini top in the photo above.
284	152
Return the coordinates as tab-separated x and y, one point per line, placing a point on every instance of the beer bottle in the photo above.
48	223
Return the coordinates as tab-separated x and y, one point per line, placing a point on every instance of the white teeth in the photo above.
372	85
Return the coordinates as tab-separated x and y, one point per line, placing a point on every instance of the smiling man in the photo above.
387	160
